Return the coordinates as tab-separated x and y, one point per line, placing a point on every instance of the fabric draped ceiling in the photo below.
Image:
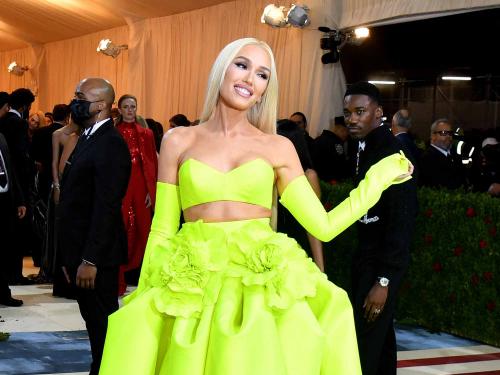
168	60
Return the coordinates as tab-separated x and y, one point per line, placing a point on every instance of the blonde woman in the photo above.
226	294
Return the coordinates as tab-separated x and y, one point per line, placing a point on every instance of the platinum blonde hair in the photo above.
262	114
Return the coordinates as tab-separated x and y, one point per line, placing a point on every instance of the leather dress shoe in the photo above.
9	301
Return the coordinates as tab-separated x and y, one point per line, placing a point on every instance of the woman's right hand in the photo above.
404	176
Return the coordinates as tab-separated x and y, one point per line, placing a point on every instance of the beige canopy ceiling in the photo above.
25	22
172	44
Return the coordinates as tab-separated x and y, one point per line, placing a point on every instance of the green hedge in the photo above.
453	283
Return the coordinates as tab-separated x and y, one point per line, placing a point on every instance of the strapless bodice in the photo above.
251	182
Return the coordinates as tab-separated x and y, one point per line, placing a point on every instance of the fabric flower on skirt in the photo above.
188	270
272	260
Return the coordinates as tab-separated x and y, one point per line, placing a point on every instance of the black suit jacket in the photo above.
15	195
385	232
15	130
329	157
437	170
93	185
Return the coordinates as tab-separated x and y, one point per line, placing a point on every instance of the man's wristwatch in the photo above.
383	281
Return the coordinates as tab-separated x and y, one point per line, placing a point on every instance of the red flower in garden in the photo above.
333	182
328	206
488	220
474	280
491	305
483	244
470	212
428	239
428	212
487	276
458	251
437	267
493	231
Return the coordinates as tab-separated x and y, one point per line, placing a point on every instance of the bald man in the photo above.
92	239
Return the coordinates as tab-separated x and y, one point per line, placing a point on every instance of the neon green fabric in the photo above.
251	182
299	198
165	224
232	298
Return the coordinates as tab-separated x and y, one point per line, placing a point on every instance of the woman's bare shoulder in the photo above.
178	138
279	144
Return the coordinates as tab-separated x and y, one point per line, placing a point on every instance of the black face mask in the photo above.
80	111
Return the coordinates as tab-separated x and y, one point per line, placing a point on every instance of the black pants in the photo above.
7	215
377	339
95	307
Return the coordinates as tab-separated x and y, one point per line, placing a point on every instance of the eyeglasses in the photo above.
444	133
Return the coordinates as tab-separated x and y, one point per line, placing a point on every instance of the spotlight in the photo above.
17	69
334	40
107	47
298	16
274	16
331	42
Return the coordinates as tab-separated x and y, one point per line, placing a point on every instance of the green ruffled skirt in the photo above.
232	298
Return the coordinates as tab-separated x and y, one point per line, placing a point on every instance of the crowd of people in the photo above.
97	194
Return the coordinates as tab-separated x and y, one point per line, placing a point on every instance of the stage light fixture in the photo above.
278	16
298	16
274	16
107	47
17	69
334	40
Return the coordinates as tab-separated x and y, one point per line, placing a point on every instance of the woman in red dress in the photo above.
138	204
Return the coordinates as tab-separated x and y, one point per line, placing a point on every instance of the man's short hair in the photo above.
403	118
437	122
60	112
304	118
4	98
180	120
21	97
364	88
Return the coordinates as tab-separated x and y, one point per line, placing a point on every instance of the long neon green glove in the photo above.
165	222
300	199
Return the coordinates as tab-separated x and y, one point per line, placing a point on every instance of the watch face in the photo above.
383	281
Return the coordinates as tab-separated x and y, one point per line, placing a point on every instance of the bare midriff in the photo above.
221	211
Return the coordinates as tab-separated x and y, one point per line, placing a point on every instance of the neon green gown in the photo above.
236	297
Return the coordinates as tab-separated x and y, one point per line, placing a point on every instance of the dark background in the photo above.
416	54
467	43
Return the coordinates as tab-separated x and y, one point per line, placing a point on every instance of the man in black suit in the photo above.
384	235
12	206
92	238
329	153
14	127
439	168
41	148
400	125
